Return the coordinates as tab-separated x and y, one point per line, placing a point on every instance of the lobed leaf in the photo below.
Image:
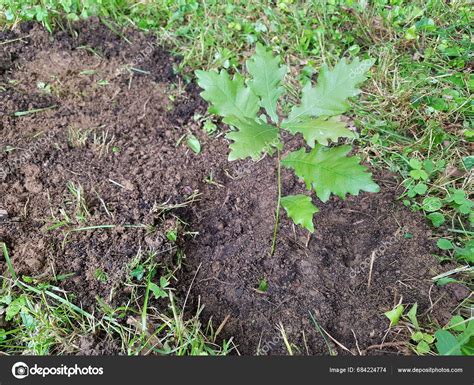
301	209
329	170
320	130
227	96
334	87
267	76
252	138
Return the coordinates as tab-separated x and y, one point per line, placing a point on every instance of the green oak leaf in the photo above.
329	170
301	209
320	130
227	96
333	88
252	138
267	76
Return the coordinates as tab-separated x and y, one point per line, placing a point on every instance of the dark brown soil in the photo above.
326	274
117	134
141	115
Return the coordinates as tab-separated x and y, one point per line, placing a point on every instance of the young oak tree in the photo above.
324	169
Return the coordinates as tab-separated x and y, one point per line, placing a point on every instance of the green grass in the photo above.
414	115
44	320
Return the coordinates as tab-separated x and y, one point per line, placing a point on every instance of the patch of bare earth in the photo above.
109	130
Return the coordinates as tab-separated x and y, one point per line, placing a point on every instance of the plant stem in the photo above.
277	212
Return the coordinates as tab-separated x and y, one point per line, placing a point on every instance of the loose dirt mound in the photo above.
107	150
109	133
322	279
